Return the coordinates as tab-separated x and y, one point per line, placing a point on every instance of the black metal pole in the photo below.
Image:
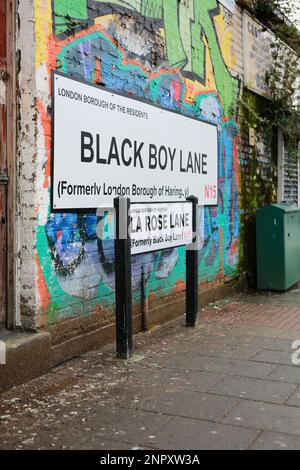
123	278
192	270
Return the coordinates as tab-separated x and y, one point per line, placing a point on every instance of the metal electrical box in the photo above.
277	246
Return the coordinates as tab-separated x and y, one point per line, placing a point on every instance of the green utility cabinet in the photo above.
277	246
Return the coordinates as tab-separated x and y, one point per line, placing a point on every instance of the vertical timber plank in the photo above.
11	161
3	168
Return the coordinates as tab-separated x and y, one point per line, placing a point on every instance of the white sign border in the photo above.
54	210
162	203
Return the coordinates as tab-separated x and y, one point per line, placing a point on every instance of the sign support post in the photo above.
123	285
192	270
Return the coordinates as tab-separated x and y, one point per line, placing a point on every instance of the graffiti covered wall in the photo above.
178	54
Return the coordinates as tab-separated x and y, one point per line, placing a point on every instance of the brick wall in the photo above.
66	274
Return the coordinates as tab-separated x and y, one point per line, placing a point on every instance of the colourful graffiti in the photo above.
189	29
186	68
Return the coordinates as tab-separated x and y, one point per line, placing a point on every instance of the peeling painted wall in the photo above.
27	159
182	55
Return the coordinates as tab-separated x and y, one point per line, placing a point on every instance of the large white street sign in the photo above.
107	145
158	226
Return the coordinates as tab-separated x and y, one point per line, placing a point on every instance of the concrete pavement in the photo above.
227	384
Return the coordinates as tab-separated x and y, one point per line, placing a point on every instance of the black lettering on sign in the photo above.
137	153
87	148
194	163
204	163
87	151
126	142
152	156
113	152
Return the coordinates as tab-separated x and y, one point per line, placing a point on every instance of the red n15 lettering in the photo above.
210	191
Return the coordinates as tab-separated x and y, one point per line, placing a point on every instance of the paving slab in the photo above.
225	346
227	350
126	425
273	357
255	389
178	380
258	343
98	443
290	334
238	367
194	362
190	404
276	441
182	433
274	344
256	330
265	416
286	374
294	399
